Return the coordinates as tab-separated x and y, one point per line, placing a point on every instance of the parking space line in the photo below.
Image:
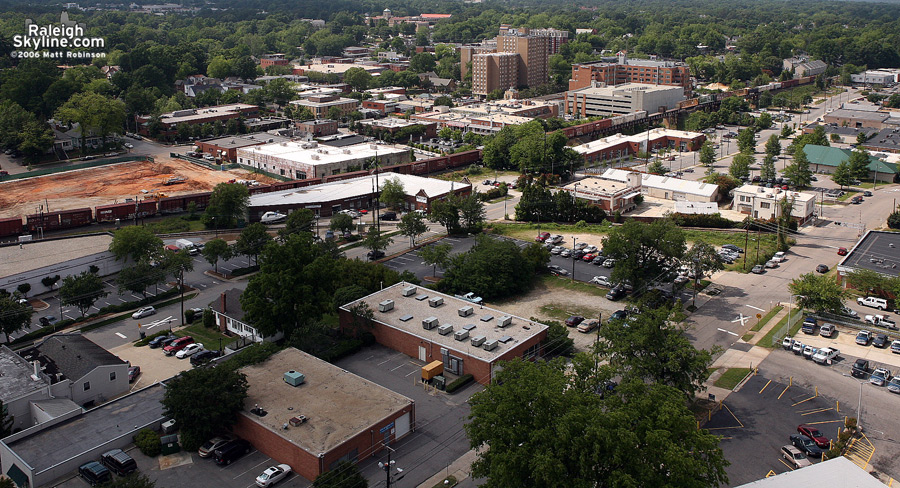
786	464
123	336
764	387
784	391
803	401
264	461
818	410
824	422
398	367
756	308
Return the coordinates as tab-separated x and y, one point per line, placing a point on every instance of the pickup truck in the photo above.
874	302
809	325
881	321
826	355
471	297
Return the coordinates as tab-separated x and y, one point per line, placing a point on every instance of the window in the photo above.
87	385
112	376
765	205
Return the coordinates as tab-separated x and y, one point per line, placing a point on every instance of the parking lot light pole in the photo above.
859	402
573	257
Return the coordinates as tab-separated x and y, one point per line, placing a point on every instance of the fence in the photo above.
793	318
259	171
73	167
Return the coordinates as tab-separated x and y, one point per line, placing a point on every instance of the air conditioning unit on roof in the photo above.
409	291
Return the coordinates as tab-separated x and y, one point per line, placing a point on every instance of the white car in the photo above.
272	475
778	257
609	263
143	312
272	218
601	280
129	145
555	239
826	355
189	350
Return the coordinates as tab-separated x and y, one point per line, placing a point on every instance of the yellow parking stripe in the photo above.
764	387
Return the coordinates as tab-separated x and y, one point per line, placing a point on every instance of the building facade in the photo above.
515	58
301	160
601	100
626	70
229	318
619	146
609	194
668	188
321	106
765	203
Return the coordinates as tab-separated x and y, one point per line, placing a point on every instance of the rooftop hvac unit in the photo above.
435	301
461	335
294	378
430	323
346	151
490	345
168	426
409	291
386	306
478	340
373	147
315	157
466	311
504	321
445	329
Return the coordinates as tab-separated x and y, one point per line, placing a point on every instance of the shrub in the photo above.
94	269
460	382
147	440
209	318
893	220
243	271
189	316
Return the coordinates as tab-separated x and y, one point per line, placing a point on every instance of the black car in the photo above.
161	341
860	368
881	341
616	293
373	255
46	321
807	446
203	357
577	254
231	452
619	315
598	260
821	269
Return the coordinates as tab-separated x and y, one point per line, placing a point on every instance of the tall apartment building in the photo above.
625	70
519	59
555	37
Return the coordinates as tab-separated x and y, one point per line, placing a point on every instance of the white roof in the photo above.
774	193
840	472
616	139
623	89
202	113
303	152
665	183
696	208
339	190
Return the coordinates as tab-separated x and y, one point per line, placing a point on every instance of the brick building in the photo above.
225	148
301	160
619	146
431	326
610	195
518	59
320	106
347	418
625	70
318	127
273	60
193	116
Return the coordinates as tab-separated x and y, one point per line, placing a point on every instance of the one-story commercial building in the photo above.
824	159
225	148
847	117
326	199
620	146
875	251
308	159
765	203
319	415
609	194
668	188
431	326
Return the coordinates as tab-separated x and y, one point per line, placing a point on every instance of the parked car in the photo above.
856	200
893	386
880	377
849	312
373	255
580	246
827	330
771	264
787	342
874	302
895	347
565	253
47	320
758	269
619	315
273	475
143	312
609	263
842	251
732	247
556	250
881	321
809	352
797	347
821	269
177	345
161	341
598	260
542	237
809	326
616	293
796	458
389	216
118	462
860	368
601	280
555	239
557	270
231	452
577	254
189	350
587	326
574	320
588	257
203	357
863	337
94	473
591	249
133	373
779	257
208	447
881	341
806	445
826	355
814	434
867	193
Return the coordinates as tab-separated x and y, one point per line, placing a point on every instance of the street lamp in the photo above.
859	402
573	257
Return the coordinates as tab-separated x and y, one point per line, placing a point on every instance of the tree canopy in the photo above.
644	252
227	206
136	242
493	268
82	290
818	292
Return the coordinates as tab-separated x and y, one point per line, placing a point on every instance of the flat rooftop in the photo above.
591	188
308	102
315	154
338	68
235	142
94	428
845	113
664	182
338	404
877	251
840	473
204	113
409	312
39	254
641	138
389	122
17	381
775	194
625	89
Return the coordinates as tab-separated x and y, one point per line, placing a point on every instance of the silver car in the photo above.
143	312
601	280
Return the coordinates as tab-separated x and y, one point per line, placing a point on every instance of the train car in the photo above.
46	221
199	199
109	213
11	226
790	83
79	217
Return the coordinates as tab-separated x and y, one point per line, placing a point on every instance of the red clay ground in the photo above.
110	184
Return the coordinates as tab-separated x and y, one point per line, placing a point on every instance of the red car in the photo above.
815	435
177	345
542	236
588	257
842	251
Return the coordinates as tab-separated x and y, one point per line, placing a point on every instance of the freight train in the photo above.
70	219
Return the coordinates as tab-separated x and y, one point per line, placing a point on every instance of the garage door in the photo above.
402	426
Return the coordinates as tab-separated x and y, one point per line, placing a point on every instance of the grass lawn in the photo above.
767	317
847	195
567	283
731	377
171	225
208	337
767	340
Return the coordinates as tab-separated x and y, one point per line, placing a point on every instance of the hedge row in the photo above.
460	382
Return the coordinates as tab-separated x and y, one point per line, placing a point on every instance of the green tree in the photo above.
786	206
204	401
799	172
82	291
215	250
492	268
868	281
773	146
252	240
37	139
703	258
436	255
412	225
139	277
446	213
300	220
841	175
422	62
740	165
764	121
818	292
858	164
341	222
93	113
707	154
23	289
893	220
746	140
445	101
344	475
644	252
862	136
335	113
786	131
767	169
375	240
227	206
564	418
472	212
14	316
657	168
219	67
12	119
392	192
358	78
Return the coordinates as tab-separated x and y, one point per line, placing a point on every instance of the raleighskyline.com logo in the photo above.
55	40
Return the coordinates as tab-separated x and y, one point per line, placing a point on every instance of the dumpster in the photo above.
440	382
431	370
169	444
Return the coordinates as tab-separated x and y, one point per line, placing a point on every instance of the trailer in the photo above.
11	226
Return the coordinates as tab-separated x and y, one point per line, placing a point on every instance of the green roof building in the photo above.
824	159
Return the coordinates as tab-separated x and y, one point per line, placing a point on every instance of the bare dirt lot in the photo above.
104	185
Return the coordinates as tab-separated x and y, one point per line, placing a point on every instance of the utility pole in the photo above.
387	466
597	341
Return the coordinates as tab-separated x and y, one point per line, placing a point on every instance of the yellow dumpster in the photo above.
431	370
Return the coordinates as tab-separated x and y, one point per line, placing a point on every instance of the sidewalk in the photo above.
459	469
734	358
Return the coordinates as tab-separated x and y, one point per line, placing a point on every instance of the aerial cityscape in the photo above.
471	243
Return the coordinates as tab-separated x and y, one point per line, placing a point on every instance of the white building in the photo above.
886	77
765	203
600	99
230	318
302	160
668	188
